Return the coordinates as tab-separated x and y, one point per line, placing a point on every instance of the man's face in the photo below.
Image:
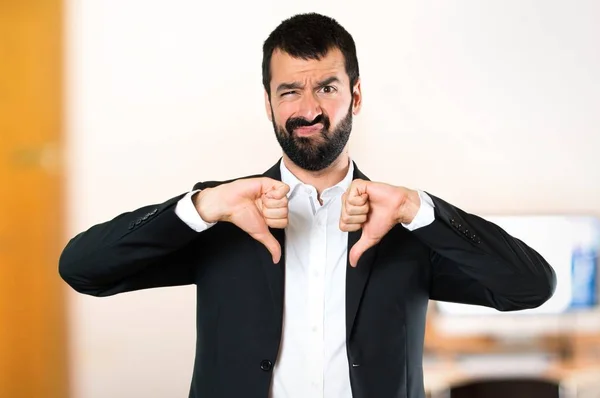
311	107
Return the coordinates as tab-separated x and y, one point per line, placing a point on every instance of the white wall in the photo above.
493	106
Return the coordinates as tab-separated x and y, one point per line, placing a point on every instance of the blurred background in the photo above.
109	105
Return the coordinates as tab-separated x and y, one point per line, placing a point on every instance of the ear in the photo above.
356	98
268	107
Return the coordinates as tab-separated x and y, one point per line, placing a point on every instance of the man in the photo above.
312	280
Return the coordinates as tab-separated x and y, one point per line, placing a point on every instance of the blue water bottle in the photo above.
584	271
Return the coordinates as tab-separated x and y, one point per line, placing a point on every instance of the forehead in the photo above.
285	68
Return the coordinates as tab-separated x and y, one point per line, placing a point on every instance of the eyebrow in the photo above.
297	85
328	81
288	86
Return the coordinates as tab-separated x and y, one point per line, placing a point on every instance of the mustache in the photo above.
295	122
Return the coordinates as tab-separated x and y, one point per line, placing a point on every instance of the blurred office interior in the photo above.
109	105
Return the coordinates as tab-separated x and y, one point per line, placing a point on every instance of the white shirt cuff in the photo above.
187	212
425	214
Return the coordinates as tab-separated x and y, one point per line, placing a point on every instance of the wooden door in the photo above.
32	312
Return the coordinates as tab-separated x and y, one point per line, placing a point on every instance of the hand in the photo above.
252	204
376	208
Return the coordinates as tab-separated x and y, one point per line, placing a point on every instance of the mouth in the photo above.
307	131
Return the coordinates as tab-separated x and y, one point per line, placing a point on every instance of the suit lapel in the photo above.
275	273
356	278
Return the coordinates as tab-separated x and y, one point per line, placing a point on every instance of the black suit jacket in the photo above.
459	257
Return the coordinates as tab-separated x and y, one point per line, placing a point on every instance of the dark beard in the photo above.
314	153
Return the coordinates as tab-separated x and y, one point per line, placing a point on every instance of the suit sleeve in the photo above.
146	248
474	261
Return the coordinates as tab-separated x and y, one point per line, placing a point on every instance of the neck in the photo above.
321	179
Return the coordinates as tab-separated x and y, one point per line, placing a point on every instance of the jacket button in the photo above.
266	365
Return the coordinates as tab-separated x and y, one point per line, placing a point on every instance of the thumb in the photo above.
272	244
359	248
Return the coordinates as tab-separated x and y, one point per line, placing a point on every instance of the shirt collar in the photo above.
293	182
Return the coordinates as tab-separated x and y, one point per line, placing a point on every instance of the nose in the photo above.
309	107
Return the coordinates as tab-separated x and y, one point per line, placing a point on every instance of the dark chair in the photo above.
507	388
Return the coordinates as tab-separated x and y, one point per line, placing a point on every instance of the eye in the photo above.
328	89
288	93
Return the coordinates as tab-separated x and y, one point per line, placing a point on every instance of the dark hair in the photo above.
309	36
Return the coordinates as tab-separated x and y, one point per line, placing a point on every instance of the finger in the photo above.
281	212
274	203
359	219
359	248
277	190
356	210
272	245
353	217
357	192
349	227
358	200
277	222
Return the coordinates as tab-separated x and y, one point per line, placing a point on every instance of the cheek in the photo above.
283	112
336	110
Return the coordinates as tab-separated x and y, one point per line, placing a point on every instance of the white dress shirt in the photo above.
312	358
